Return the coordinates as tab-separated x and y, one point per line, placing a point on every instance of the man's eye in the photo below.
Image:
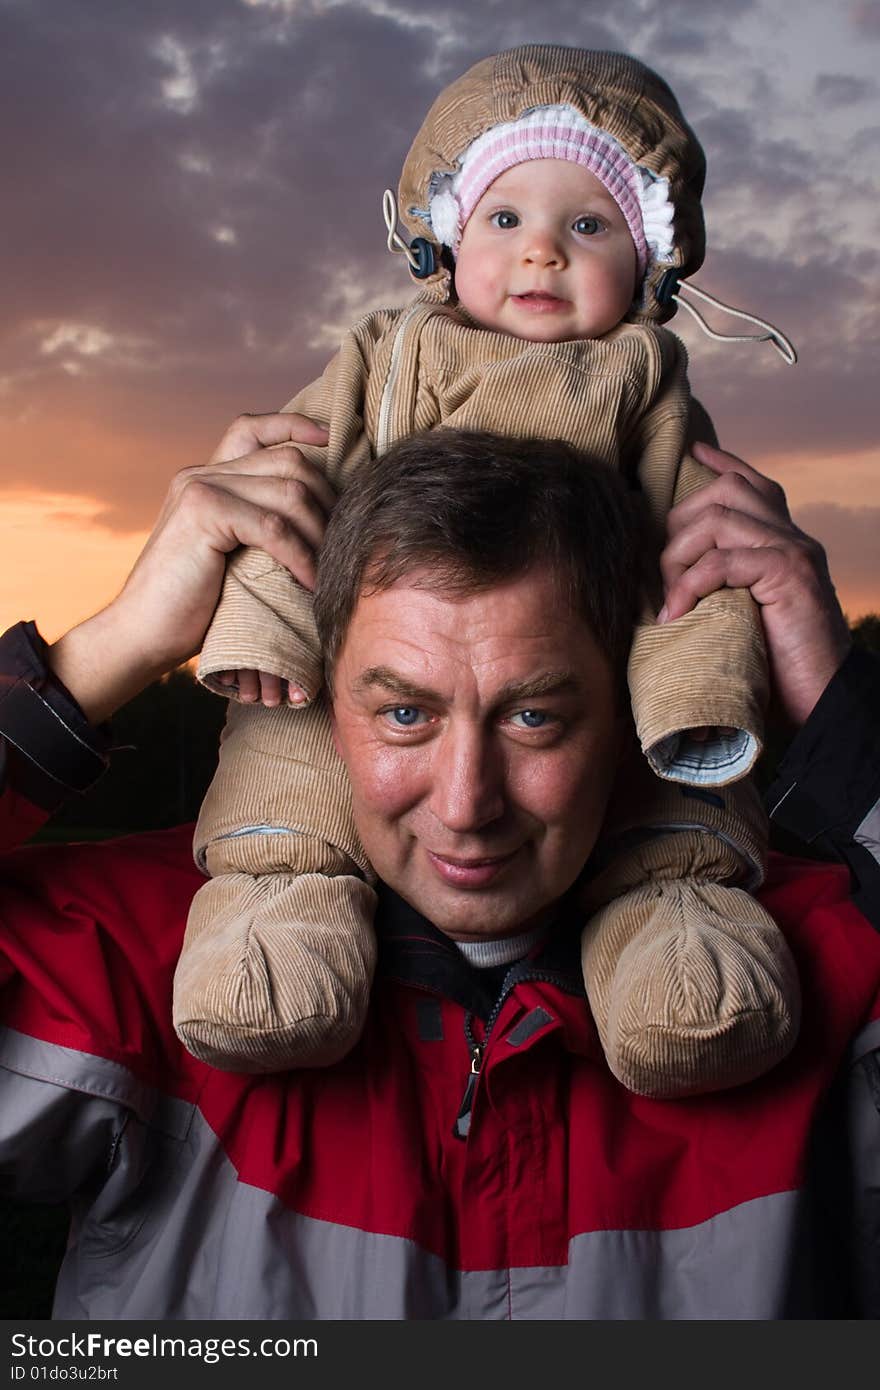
504	220
405	716
588	226
531	718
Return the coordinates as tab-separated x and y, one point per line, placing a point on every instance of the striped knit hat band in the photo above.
554	132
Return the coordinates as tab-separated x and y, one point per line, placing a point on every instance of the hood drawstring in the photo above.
419	252
674	291
396	242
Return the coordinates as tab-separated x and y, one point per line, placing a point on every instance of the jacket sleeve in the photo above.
859	1212
827	790
264	620
89	934
47	748
88	937
709	667
59	1132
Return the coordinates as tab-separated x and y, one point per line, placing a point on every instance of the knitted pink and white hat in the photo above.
556	132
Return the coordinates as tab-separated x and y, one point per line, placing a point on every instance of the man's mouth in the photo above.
472	872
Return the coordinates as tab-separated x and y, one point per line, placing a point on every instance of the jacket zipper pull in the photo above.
462	1125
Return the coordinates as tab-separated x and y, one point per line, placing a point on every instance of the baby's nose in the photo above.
544	248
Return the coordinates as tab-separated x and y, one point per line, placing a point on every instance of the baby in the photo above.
552	198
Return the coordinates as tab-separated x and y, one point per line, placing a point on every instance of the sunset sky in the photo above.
191	214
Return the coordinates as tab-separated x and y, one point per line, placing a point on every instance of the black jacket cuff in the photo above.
48	747
827	790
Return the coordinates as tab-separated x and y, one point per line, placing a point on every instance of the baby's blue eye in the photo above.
505	220
588	226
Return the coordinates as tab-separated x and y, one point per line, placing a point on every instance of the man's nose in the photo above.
467	790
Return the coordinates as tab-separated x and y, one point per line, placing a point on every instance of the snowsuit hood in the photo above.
616	93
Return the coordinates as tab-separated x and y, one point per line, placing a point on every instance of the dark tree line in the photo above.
165	751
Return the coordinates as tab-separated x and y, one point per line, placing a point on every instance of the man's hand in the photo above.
268	496
737	533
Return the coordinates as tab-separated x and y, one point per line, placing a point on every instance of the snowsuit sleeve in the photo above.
708	667
264	620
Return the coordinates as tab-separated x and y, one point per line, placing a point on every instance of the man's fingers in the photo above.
290	499
718	527
728	465
736	532
250	432
737	492
719	460
283	461
224	520
720	569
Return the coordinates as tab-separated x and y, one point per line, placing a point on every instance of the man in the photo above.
472	1157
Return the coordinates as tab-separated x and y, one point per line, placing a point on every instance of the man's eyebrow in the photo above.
547	683
388	679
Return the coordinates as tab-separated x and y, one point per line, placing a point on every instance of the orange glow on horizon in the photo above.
59	566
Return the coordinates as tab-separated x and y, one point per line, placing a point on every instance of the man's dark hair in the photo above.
469	510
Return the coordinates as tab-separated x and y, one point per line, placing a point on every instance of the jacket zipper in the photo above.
462	1126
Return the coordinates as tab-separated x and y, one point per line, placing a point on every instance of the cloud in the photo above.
77	337
180	88
194	214
865	16
840	89
824	303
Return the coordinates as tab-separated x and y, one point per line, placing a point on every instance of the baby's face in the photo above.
546	255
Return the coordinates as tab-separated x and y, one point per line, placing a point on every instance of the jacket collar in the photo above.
414	951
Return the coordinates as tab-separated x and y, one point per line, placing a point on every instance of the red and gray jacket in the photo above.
472	1158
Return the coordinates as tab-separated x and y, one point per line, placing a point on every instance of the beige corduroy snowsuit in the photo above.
279	950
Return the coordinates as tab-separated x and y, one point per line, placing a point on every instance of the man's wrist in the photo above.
99	666
811	667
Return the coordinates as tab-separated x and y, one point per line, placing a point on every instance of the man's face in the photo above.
546	255
480	736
